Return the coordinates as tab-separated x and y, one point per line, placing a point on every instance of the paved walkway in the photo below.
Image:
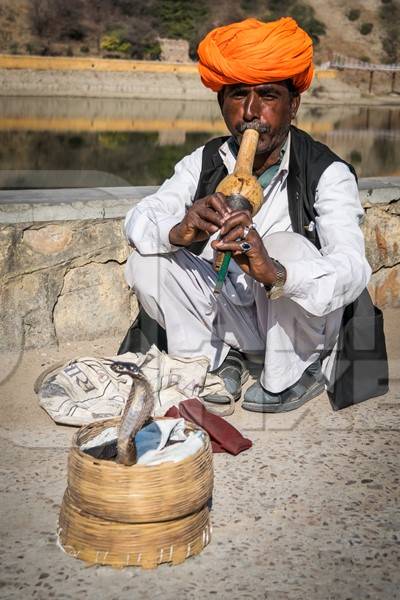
310	512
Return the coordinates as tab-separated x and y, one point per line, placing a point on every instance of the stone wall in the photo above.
63	281
100	78
62	254
52	76
178	81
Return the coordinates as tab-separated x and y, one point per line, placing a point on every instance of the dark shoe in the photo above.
234	374
309	386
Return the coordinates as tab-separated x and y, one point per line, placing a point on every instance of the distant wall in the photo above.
101	78
62	254
118	78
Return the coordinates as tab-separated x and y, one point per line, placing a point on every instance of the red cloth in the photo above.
224	437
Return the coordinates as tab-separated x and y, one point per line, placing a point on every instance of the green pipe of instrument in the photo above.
222	272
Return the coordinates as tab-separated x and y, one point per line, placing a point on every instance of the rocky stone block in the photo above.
7	233
49	239
382	236
384	287
27	308
59	244
93	302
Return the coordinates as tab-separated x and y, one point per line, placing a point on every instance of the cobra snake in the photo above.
138	409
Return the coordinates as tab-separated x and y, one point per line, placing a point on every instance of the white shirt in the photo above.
329	282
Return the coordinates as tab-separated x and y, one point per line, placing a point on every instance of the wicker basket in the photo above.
139	493
99	541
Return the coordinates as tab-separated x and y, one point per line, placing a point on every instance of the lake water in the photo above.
74	142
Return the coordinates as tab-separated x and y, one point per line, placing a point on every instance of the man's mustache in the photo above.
257	125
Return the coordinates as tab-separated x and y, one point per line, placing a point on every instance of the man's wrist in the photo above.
270	273
174	238
274	288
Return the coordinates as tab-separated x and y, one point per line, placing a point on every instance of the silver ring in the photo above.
245	246
247	229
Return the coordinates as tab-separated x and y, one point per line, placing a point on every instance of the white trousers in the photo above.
176	290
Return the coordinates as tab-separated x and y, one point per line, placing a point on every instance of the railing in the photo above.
343	62
352	134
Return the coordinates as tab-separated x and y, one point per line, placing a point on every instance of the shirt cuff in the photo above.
163	229
294	281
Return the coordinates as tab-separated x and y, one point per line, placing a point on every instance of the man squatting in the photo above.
283	298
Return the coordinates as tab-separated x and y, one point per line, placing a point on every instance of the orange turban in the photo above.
254	52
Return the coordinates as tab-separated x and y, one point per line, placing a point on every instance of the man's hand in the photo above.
256	262
203	219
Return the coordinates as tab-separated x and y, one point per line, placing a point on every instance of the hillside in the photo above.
363	29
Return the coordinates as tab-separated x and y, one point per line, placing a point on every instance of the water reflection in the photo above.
137	142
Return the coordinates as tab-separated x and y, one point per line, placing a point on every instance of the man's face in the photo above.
268	106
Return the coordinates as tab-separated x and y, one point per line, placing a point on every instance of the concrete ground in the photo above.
310	512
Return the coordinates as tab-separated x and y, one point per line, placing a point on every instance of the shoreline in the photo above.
38	76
